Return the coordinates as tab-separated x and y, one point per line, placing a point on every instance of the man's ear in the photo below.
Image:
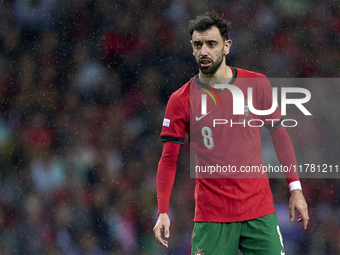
192	46
227	45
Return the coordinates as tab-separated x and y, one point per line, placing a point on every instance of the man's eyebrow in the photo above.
207	41
196	41
211	41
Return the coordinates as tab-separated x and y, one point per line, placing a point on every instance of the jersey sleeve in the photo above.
280	138
285	152
272	120
166	175
176	121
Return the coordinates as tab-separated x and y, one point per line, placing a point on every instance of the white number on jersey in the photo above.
207	137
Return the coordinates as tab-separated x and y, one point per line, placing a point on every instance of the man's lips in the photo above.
205	62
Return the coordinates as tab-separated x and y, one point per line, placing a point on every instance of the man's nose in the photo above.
204	50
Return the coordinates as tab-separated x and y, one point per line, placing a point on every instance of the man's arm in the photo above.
165	179
286	156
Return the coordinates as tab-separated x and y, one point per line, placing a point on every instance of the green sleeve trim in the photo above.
276	125
172	139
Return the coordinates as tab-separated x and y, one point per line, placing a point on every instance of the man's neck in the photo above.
223	75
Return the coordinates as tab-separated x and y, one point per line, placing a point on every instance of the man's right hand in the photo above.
162	224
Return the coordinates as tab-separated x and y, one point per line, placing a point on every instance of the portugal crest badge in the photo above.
246	110
247	115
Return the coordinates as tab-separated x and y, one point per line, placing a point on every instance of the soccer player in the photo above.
230	213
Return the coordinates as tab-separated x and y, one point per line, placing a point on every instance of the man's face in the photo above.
209	49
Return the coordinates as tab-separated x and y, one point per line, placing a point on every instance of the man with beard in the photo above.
232	212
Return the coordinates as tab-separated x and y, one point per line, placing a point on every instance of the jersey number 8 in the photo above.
207	137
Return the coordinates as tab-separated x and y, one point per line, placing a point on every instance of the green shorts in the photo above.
258	236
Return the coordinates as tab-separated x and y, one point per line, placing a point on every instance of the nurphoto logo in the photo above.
240	107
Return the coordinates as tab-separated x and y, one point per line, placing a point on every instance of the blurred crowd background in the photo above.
83	89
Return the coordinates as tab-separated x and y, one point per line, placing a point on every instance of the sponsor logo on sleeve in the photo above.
166	122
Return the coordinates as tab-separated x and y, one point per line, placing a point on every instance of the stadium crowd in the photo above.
82	93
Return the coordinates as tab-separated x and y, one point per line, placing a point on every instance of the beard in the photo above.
213	67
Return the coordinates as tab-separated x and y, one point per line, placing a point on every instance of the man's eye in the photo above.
197	46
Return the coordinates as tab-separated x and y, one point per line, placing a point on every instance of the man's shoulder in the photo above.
243	73
183	91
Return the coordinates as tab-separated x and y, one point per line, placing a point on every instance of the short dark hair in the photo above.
207	20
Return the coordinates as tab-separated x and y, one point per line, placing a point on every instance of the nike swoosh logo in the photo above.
199	118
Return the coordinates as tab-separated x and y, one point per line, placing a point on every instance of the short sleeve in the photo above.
175	121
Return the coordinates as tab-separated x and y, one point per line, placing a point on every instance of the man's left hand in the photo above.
298	202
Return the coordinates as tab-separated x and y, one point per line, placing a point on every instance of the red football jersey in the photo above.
229	141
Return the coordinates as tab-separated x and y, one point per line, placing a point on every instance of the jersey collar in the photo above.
203	85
